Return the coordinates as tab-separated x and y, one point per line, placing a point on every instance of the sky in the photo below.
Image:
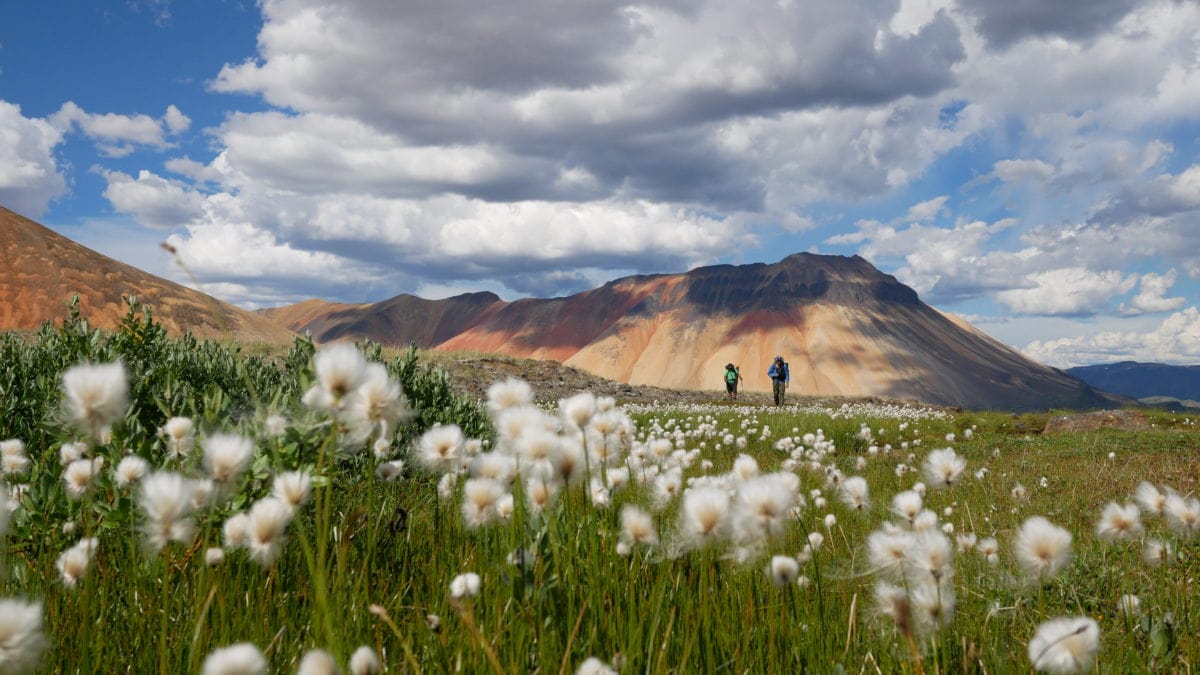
1031	165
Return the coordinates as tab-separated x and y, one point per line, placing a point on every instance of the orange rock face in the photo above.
844	327
40	271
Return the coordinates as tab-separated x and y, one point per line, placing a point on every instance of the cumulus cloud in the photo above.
1151	297
1004	22
117	135
1011	170
1069	291
1176	340
929	209
153	200
29	173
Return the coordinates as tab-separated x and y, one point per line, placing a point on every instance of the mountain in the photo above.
40	270
846	329
1143	380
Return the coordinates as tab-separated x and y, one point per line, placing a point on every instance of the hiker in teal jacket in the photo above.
780	376
732	376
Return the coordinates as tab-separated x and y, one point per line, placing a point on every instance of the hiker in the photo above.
780	375
733	375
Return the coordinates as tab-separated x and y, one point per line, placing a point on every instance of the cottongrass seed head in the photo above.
318	662
240	659
1065	645
364	661
943	467
465	585
1119	523
21	640
95	396
1042	548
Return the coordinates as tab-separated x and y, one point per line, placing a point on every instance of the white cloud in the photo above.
116	135
176	121
1067	291
929	209
1151	297
153	200
1010	170
29	174
1176	340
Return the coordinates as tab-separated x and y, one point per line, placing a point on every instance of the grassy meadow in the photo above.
314	501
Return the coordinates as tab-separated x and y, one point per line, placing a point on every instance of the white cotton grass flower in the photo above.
637	526
95	396
1042	549
318	662
377	405
1129	606
505	506
292	488
130	470
1157	552
666	487
762	506
239	659
784	570
989	548
73	563
830	521
887	551
930	558
72	451
364	661
926	520
511	392
214	555
853	493
893	602
480	499
578	410
594	666
440	448
80	475
932	606
704	514
340	368
1019	493
943	467
13	460
226	457
1065	645
275	425
179	434
464	585
21	640
447	484
907	505
540	492
166	501
1150	498
236	530
1182	515
745	467
1119	523
966	541
390	471
265	536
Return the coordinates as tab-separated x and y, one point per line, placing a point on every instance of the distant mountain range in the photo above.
1144	380
40	270
846	329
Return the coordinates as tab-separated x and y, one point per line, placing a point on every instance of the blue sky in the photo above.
1031	165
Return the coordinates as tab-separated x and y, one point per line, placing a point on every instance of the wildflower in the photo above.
989	548
79	474
1149	498
269	518
929	558
236	530
943	467
907	505
578	409
214	556
1019	493
1129	605
704	512
1157	552
480	496
21	639
166	500
446	486
783	570
1066	645
382	448
1042	548
932	606
465	585
965	542
275	425
594	666
389	471
130	470
438	449
888	550
666	487
815	539
364	661
1183	515
925	520
637	527
74	562
340	368
13	461
292	488
509	393
830	521
377	404
1119	523
745	467
318	662
239	659
854	492
226	457
178	432
96	395
893	602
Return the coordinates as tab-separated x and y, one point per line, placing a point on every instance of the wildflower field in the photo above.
171	505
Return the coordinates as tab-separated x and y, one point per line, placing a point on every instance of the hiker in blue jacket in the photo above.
780	376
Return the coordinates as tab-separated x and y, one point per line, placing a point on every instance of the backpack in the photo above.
730	375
